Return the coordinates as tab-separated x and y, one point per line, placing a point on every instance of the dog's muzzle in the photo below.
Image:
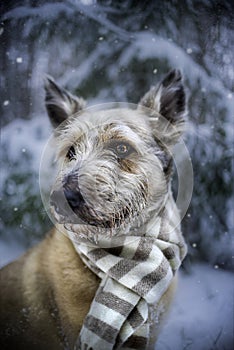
67	200
69	206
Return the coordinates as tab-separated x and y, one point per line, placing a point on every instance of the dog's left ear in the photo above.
167	103
60	103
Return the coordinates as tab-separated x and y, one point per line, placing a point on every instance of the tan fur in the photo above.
45	296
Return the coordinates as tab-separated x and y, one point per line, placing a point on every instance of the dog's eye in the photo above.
71	153
122	149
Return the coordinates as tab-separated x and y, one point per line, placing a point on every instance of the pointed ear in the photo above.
60	103
168	105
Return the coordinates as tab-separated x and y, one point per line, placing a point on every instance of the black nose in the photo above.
65	199
73	197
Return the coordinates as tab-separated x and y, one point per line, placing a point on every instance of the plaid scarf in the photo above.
135	274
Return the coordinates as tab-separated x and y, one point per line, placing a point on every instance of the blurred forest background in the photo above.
114	51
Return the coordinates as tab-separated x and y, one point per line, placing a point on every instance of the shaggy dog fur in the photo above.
46	294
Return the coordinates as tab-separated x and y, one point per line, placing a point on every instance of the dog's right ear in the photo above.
60	103
167	101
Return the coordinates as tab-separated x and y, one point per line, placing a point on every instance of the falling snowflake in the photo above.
19	59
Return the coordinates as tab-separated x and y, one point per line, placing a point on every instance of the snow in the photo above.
201	317
6	103
47	11
29	137
19	59
162	48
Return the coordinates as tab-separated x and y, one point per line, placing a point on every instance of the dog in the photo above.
112	191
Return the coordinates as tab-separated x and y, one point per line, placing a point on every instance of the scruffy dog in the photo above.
107	281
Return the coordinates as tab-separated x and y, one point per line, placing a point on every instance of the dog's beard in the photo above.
119	217
109	210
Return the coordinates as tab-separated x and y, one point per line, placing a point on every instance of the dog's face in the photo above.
114	163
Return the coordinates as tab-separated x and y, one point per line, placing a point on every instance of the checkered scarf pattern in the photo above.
134	274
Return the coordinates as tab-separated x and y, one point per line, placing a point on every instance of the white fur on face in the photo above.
116	191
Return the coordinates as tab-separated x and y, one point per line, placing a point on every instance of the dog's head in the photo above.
114	163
